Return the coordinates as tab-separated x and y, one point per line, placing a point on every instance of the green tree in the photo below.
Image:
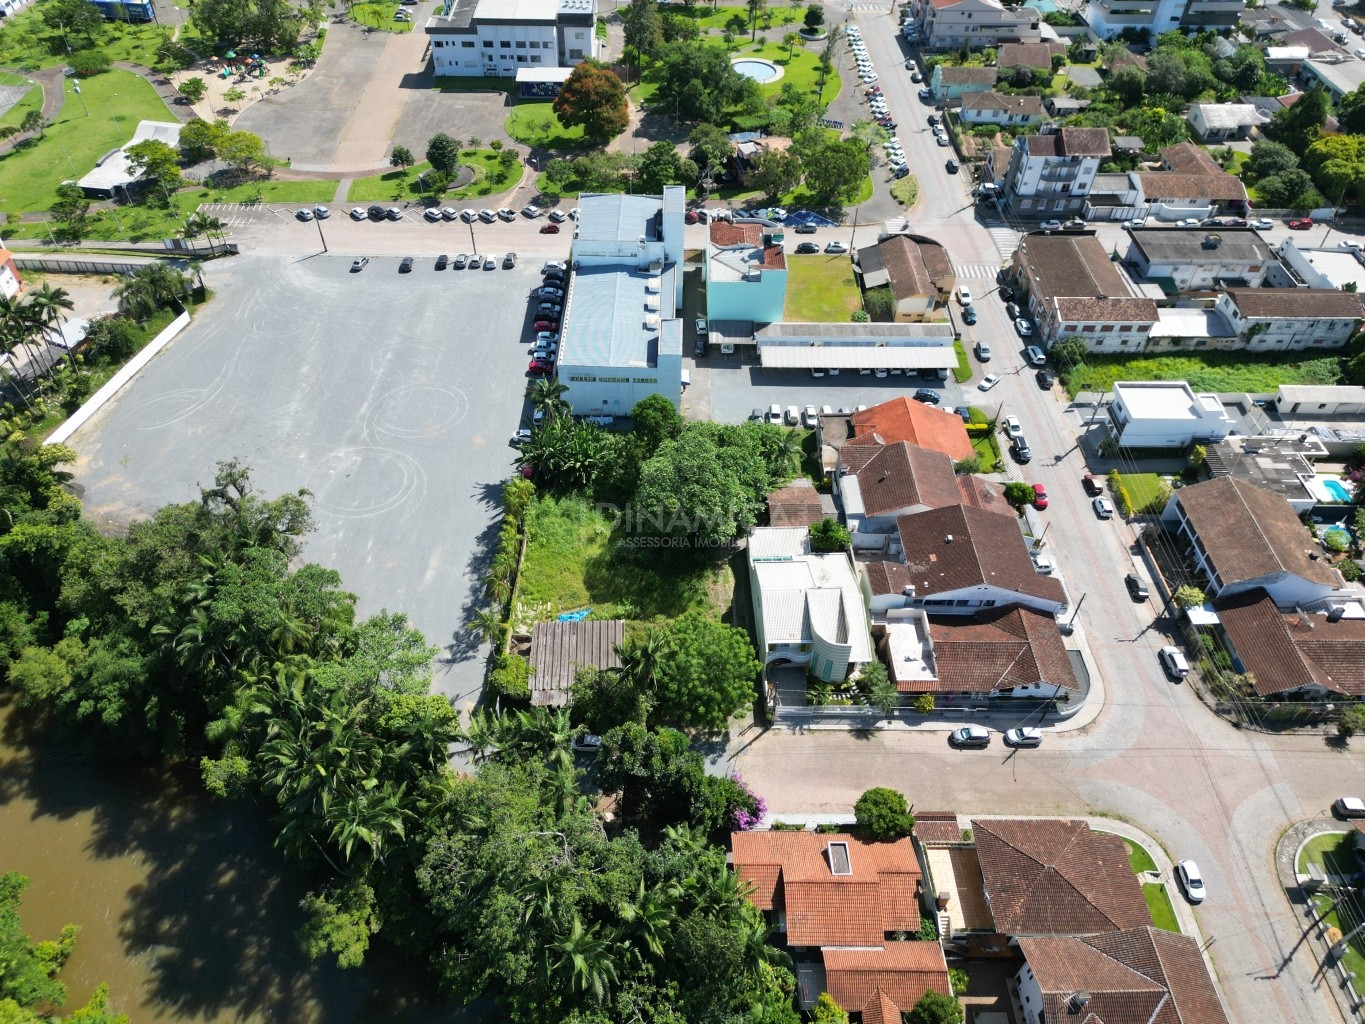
827	1011
269	26
1268	158
71	210
705	673
443	153
547	396
704	82
1337	165
814	18
1158	126
1188	596
88	63
829	535
192	90
1351	112
1352	720
1129	84
692	489
775	173
883	815
30	974
835	169
755	9
643	26
33	122
200	140
150	288
566	453
402	157
925	704
1289	190
935	1008
791	41
75	19
1069	352
1019	494
711	146
111	339
660	165
244	152
593	98
156	160
1298	125
655	420
340	921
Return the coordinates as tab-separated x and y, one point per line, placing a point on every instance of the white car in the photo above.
357	213
1024	328
880	373
1187	871
531	211
942	140
587	743
1013	428
702	328
808	417
1050	225
1262	223
964	296
1189	222
1023	737
1103	508
793	416
989	381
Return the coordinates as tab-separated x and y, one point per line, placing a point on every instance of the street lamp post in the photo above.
76	87
318	222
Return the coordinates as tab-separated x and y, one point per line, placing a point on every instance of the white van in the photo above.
1173	661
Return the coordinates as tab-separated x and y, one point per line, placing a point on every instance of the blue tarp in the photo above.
577	616
808	217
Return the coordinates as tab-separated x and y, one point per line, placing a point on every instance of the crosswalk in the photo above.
1006	240
868	5
986	271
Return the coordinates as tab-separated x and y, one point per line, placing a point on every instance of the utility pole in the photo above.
76	87
318	222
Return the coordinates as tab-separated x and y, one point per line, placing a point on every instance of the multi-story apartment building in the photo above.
1050	175
1107	18
947	24
498	38
1272	319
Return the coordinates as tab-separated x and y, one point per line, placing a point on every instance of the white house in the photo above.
1295	401
948	24
1166	414
1107	18
991	107
1222	122
1195	259
808	608
621	339
1242	537
1279	319
498	38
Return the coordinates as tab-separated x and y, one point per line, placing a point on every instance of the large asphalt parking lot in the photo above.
390	396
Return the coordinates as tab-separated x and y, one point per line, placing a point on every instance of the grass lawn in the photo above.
379	16
963	371
801	70
117	100
1334	852
1159	903
821	289
1207	371
1143	488
987	450
1138	858
490	177
536	124
1345	917
28	44
572	563
906	191
31	100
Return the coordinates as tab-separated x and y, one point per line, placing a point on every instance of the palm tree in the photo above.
650	917
155	286
17	326
548	396
486	622
793	40
589	959
47	305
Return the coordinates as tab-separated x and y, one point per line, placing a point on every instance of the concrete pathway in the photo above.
54	96
364	140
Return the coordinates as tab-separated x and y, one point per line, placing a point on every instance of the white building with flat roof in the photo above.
498	38
1166	414
621	339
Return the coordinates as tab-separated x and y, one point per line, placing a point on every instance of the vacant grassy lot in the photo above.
1159	903
379	16
1333	852
821	289
117	101
573	562
536	124
1208	371
1143	488
28	44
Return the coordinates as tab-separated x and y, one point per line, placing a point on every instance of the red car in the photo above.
549	229
1039	496
1301	224
540	366
547	325
1091	485
690	217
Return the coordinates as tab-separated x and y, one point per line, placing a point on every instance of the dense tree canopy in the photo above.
594	98
1298	125
270	26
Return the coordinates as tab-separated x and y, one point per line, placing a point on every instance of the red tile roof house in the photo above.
842	905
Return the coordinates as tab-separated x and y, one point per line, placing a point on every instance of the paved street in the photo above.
391	397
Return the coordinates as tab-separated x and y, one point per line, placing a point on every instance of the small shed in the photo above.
560	649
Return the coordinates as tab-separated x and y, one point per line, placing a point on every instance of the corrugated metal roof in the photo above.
115	171
610	216
851	356
608	321
560	649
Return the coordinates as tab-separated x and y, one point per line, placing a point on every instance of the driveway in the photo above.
391	397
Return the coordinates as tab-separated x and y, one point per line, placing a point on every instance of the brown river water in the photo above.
184	908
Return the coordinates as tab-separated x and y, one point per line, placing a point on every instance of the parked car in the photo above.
774	415
1039	496
927	396
442	261
490	263
520	437
1019	448
1262	223
942	140
1012	310
792	417
559	216
487	216
835	248
805	229
375	212
1024	328
508	214
1348	807
475	261
1044	379
1023	737
969	316
989	381
1300	224
448	213
304	214
406	266
468	216
702	327
925	94
531	211
970	737
1091	485
1187	222
1036	357
1103	508
359	264
509	261
357	213
549	229
1050	225
1187	872
1137	587
964	296
1173	661
587	743
393	213
432	215
983	352
545	325
808	417
807	249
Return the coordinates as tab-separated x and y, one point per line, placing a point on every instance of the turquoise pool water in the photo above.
1337	490
758	70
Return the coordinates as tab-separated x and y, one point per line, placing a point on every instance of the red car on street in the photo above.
1301	224
540	366
1039	496
547	325
1091	485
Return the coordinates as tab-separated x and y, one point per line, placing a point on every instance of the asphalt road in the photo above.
1156	756
390	396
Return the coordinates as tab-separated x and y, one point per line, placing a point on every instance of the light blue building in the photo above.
745	272
622	339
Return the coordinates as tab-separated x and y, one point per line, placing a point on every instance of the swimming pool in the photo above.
763	71
1337	490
